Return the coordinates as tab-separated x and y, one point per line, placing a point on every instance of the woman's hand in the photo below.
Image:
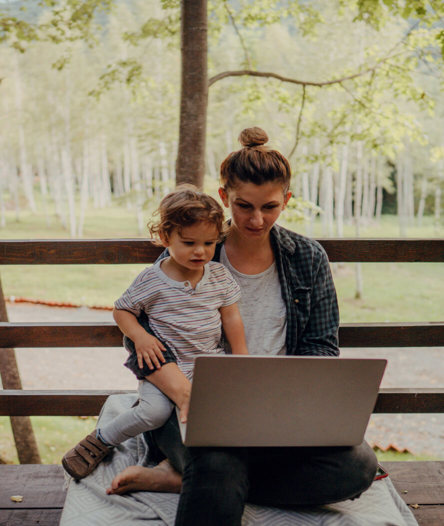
149	350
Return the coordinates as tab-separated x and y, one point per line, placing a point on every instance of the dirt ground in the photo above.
93	368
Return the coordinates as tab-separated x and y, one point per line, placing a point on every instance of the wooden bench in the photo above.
421	484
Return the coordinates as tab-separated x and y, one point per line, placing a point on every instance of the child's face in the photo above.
194	246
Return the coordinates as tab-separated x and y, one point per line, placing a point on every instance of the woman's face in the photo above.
254	208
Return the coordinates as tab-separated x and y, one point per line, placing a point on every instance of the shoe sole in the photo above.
70	472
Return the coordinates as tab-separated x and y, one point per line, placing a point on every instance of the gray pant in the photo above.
152	411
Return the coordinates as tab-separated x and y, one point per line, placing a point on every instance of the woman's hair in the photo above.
183	207
255	162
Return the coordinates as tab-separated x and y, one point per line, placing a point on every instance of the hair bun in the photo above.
253	137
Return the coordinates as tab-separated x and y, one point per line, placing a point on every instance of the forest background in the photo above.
350	90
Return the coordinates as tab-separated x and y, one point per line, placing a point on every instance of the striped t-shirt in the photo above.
186	319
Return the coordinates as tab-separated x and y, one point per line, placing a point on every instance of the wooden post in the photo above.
25	442
190	164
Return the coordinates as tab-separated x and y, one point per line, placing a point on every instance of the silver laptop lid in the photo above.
281	400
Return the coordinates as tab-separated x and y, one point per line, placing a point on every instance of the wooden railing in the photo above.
123	251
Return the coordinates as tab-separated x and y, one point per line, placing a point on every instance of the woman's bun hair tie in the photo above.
251	137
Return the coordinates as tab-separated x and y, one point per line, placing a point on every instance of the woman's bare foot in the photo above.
162	478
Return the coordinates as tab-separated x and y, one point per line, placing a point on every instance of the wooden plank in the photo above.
103	334
384	250
428	334
54	402
418	482
107	334
40	485
33	517
106	251
429	515
89	402
78	251
407	400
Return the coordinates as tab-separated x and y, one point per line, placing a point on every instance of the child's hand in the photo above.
149	350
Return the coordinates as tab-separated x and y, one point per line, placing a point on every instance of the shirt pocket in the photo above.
301	300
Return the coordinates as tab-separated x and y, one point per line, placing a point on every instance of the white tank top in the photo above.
262	308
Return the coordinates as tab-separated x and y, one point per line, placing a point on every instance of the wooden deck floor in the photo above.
421	485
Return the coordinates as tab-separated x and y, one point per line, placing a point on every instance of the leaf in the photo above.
17	498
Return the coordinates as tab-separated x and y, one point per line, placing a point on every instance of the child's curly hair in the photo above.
183	207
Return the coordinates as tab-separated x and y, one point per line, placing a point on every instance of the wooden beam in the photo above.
426	334
89	403
119	251
54	402
384	250
82	251
107	334
410	400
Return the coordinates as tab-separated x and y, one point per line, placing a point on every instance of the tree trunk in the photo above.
148	175
84	190
43	187
190	164
126	166
437	214
422	199
136	180
104	171
117	177
24	438
25	169
365	184
314	188
400	194
379	190
357	214
164	168
372	189
3	172
340	192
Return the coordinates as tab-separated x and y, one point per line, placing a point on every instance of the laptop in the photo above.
281	401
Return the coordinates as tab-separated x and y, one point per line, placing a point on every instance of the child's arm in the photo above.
148	347
174	384
234	328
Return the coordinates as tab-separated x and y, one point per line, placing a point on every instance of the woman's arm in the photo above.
234	328
320	335
148	347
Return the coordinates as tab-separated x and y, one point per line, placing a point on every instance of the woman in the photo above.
288	306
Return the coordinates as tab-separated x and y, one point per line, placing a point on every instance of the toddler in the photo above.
187	298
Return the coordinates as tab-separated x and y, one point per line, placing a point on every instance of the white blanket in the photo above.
87	503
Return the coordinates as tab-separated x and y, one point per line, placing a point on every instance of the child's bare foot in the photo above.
163	478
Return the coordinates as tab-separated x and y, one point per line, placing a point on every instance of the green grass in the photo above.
394	456
54	435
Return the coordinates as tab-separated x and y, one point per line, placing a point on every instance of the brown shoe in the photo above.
83	459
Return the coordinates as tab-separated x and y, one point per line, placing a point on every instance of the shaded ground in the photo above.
92	368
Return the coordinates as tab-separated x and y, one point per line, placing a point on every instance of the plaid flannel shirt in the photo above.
308	293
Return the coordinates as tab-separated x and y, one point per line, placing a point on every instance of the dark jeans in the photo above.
218	481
